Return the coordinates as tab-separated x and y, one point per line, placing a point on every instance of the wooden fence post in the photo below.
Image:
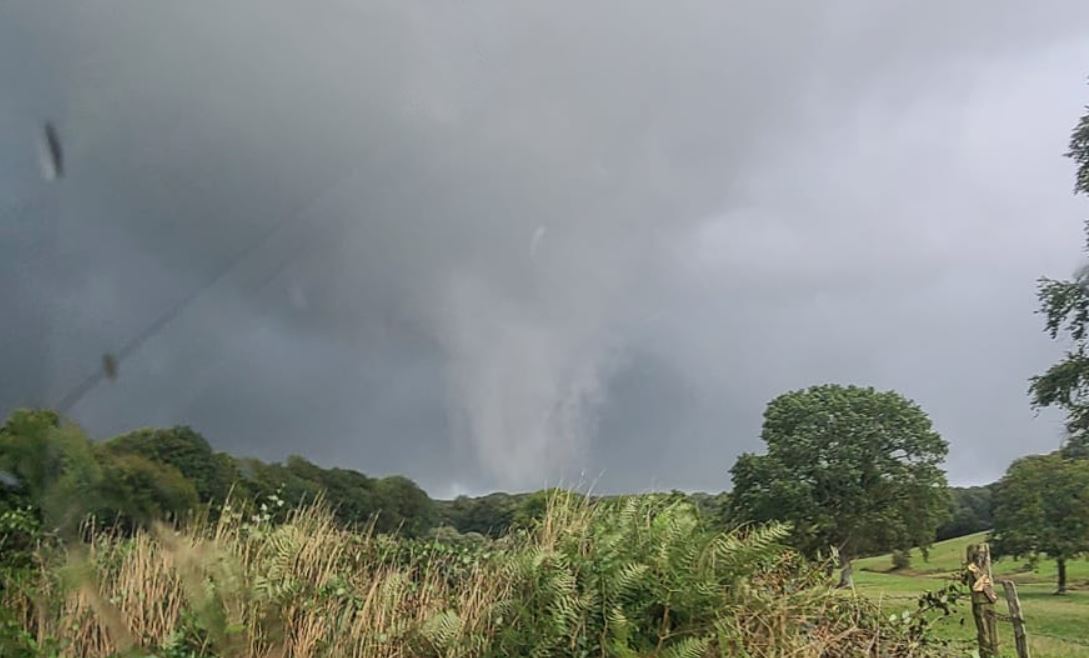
1018	619
978	576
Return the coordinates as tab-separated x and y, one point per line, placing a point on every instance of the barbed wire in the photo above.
303	215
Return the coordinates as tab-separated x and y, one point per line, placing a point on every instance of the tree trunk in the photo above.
1062	577
846	573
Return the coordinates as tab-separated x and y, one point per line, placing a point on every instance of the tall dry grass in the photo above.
301	588
611	580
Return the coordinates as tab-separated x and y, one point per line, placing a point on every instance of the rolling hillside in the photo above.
1057	625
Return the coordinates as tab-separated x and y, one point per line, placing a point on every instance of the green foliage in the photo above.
970	511
20	533
491	515
261	480
627	577
1065	307
64	478
919	623
714	509
849	467
25	453
154	474
187	451
17	642
392	504
532	507
901	559
633	576
1042	508
403	506
1056	624
449	536
55	466
1079	152
351	494
138	491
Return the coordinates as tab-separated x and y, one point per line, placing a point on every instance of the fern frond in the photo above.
690	647
442	630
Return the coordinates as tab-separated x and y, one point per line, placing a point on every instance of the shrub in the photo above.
901	559
629	577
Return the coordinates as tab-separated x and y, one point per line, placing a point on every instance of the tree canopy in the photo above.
850	468
135	491
65	477
159	473
490	515
970	511
187	451
1041	507
166	472
1065	307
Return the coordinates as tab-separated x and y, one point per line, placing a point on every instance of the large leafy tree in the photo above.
136	491
65	477
350	493
1065	305
52	467
1041	507
403	506
261	481
213	474
850	468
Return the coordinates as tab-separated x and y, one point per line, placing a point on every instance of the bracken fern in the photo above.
629	577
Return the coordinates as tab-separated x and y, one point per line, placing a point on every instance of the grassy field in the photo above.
1057	625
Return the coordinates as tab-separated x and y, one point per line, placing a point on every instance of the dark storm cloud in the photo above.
527	241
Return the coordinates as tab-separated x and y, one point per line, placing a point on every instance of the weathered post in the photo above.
978	576
1020	638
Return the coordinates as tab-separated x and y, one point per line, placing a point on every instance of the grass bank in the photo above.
1057	625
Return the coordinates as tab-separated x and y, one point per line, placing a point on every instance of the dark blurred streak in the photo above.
111	362
54	152
109	366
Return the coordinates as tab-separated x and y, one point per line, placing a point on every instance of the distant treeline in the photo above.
155	473
171	472
971	510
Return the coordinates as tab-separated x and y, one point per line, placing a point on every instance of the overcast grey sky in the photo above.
530	241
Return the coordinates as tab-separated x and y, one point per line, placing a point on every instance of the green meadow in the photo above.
1057	625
